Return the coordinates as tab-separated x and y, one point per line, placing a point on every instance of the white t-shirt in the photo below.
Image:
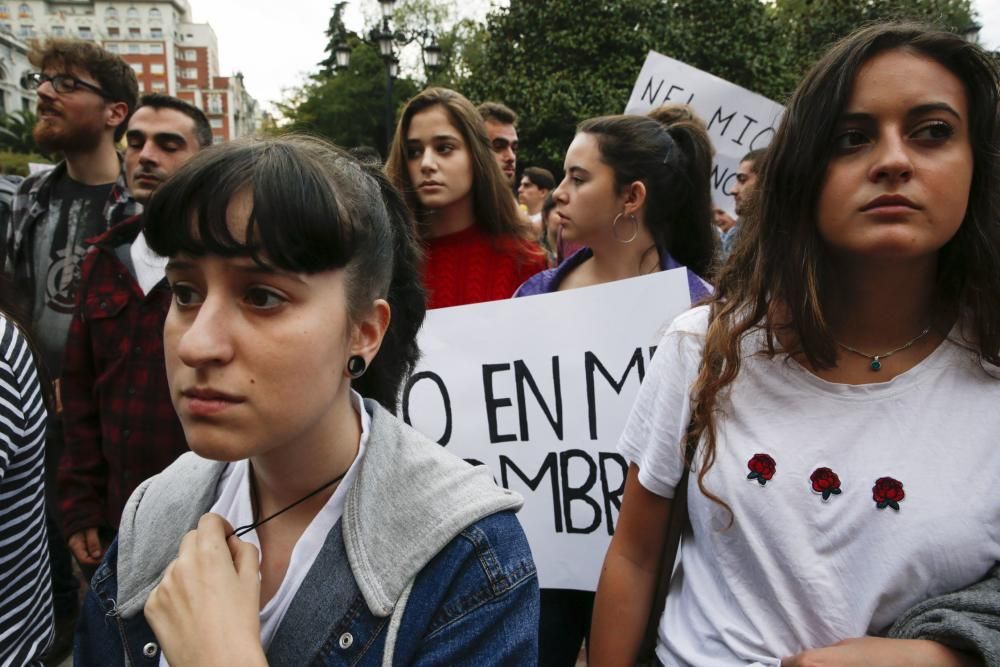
234	505
796	571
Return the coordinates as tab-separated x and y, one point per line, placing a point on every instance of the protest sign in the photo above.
738	120
538	389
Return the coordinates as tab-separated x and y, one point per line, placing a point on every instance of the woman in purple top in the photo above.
637	195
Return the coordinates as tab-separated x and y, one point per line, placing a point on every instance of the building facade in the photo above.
168	51
13	65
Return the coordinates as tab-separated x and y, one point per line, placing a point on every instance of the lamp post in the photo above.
388	40
971	32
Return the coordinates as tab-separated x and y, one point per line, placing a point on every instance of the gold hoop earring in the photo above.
614	228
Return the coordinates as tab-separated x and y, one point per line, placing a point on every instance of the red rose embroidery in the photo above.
761	468
887	492
826	482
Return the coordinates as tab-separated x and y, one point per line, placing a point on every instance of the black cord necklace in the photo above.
243	530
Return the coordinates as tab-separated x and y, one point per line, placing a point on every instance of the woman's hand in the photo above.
205	611
865	651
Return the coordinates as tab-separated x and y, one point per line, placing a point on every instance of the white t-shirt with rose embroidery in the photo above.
795	571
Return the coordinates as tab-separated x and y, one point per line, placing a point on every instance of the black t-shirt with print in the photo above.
75	212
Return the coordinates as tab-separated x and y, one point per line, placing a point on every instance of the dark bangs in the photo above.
297	223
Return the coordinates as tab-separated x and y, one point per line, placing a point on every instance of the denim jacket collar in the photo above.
409	500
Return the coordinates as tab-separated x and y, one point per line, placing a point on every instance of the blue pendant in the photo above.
876	364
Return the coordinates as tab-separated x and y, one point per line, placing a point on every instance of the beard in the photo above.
59	134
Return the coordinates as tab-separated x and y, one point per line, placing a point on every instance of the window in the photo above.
156	68
216	123
137	68
84	32
214	103
26	30
154	14
6	27
189	73
24	11
111	13
155	48
58	31
159	86
4	12
156	33
112	47
190	54
25	104
134	33
134	48
113	31
132	14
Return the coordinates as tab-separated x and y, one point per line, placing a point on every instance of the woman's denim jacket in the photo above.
459	588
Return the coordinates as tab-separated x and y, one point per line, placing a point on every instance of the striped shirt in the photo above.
25	587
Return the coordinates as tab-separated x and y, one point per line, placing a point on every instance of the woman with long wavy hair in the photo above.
839	389
477	247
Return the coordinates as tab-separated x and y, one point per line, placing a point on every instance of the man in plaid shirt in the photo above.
120	423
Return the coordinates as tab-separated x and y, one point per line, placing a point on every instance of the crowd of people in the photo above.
202	348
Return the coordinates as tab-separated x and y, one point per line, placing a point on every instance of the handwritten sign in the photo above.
738	120
539	389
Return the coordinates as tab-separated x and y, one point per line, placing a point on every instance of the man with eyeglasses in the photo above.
85	97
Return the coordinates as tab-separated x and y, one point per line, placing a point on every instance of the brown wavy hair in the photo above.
494	210
780	259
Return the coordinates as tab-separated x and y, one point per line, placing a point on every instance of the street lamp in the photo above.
387	40
971	32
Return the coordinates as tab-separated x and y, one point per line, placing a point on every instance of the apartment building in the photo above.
168	51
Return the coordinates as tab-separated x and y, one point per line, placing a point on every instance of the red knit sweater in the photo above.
470	267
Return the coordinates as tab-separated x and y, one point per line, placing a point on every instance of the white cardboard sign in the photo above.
538	389
738	120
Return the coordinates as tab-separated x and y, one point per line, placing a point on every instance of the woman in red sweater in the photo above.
477	247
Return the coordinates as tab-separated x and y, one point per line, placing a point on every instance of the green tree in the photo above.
348	107
336	34
811	27
557	63
16	132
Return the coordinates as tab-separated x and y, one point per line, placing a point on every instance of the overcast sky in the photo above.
276	43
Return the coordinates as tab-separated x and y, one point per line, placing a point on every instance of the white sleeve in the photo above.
655	429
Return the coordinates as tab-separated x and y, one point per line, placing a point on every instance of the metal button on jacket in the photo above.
150	649
346	640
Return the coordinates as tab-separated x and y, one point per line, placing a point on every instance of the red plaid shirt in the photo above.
120	425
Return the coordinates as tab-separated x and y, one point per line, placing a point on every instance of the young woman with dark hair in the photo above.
25	584
307	525
637	196
477	247
839	389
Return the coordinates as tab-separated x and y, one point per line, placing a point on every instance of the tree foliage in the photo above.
348	107
16	132
557	63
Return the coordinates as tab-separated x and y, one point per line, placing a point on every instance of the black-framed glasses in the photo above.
62	83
